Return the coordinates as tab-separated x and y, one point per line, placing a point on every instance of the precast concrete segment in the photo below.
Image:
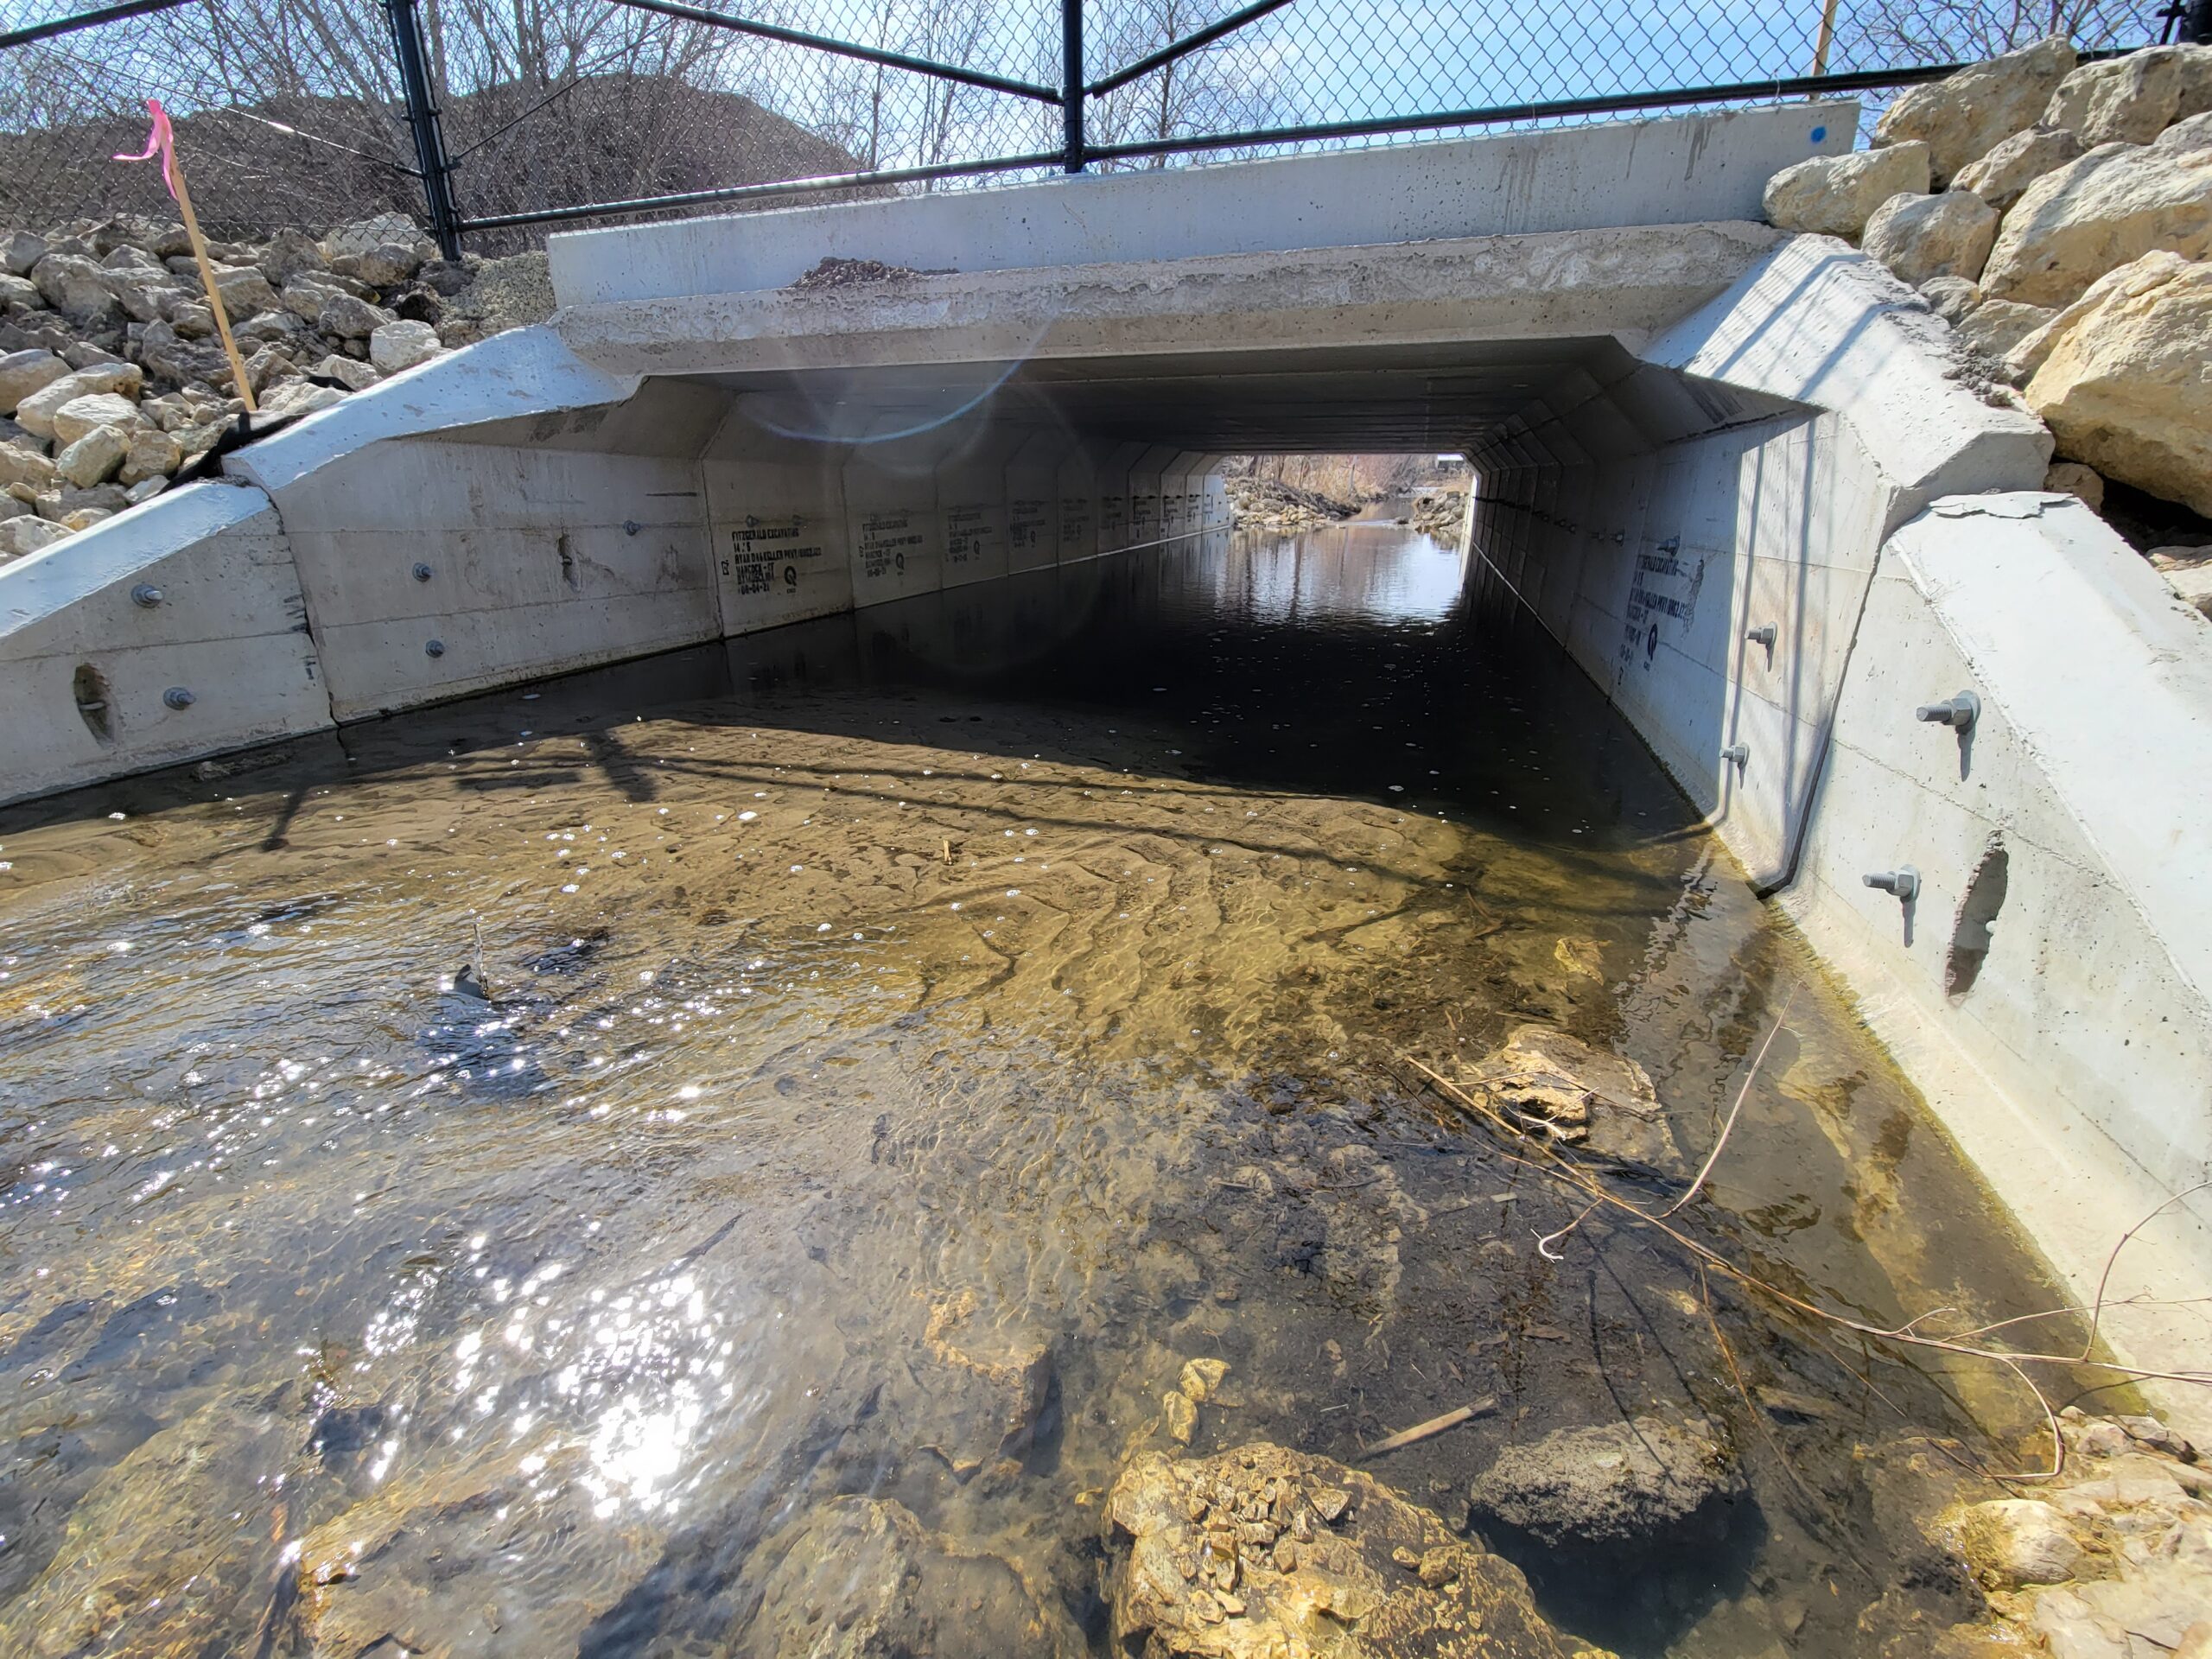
1032	504
893	524
1684	170
2046	987
1628	283
777	529
973	485
1817	323
171	633
434	569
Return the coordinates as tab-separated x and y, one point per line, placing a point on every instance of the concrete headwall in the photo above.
162	636
2047	987
1739	474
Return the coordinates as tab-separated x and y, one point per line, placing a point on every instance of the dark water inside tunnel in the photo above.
492	1181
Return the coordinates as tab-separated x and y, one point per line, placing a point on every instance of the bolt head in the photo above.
178	696
146	594
435	648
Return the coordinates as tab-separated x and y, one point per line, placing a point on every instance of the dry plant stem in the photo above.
1742	1095
1551	1163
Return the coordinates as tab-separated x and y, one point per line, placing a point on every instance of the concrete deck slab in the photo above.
1684	170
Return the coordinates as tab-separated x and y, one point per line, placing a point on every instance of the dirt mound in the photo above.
314	162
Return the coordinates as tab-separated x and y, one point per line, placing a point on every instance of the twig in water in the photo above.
1742	1095
1548	1162
1451	1418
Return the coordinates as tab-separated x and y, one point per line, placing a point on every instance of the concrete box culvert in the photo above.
1707	456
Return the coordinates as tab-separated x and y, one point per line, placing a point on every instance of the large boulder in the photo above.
245	291
1264	1551
145	295
1921	236
398	345
2107	209
1962	118
23	373
2132	99
2126	381
26	468
78	289
349	372
347	318
92	457
385	266
1835	195
171	355
152	454
1999	177
1551	1083
20	250
35	413
93	410
300	398
26	533
1623	1486
289	253
990	1383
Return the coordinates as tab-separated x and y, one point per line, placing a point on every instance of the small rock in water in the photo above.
1180	1414
1201	1377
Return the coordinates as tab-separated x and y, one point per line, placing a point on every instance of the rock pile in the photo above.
1269	504
2067	239
112	380
1272	1553
2112	1559
1440	513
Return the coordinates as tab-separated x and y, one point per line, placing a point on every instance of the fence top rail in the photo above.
70	25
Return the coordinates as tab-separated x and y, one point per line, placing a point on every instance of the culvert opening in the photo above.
1970	932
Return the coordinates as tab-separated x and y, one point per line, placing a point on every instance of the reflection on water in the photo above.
894	1047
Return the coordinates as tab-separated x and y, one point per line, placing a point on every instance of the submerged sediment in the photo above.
921	1079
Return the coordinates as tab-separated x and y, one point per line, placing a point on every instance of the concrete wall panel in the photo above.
413	554
778	527
229	627
1033	501
894	528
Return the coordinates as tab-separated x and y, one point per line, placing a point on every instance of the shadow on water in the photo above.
904	1039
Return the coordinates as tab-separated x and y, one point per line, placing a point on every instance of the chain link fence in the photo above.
527	114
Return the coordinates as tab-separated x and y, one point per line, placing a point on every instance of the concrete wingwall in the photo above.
504	514
2047	989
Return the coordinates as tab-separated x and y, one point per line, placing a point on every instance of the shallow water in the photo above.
1010	989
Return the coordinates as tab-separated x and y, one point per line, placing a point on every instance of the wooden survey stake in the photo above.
162	142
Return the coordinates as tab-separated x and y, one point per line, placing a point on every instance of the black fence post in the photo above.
1072	85
423	122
